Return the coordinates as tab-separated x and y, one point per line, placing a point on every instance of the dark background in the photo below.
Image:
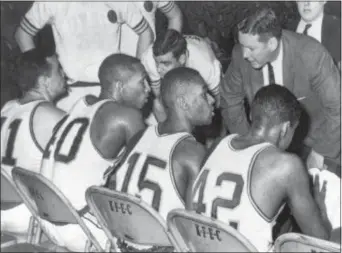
219	16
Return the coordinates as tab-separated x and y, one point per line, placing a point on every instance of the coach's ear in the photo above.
181	102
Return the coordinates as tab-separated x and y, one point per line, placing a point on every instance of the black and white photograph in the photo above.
170	126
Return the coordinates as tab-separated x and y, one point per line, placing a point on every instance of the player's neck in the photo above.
33	95
175	124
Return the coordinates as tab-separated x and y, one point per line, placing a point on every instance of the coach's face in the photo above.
256	52
136	90
310	10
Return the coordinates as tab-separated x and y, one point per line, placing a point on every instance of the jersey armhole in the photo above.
33	136
130	146
188	136
249	194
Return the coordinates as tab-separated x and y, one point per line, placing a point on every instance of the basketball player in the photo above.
172	50
247	179
148	9
90	139
166	158
85	33
27	124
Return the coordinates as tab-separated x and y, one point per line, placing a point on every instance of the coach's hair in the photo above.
263	22
178	82
274	104
170	41
30	65
117	68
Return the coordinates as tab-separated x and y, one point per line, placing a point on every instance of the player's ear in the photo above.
118	88
181	101
43	80
285	128
182	58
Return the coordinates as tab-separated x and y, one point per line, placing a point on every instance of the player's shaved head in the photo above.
118	68
273	105
178	82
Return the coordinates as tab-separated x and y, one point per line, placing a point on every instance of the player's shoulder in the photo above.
115	112
48	111
190	150
279	161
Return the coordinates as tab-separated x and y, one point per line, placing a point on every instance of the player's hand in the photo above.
320	193
315	160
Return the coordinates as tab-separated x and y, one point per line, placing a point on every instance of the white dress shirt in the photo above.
315	30
277	65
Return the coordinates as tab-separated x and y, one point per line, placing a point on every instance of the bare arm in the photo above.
187	160
145	39
25	41
113	127
174	16
45	119
309	217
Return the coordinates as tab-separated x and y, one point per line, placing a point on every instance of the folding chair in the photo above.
293	242
194	232
127	218
9	199
47	202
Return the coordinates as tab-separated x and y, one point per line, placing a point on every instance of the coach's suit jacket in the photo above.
311	75
331	34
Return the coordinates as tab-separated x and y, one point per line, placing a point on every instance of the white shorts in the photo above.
75	93
16	219
333	195
72	237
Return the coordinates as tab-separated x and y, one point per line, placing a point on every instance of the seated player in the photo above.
169	148
27	123
90	139
171	50
247	179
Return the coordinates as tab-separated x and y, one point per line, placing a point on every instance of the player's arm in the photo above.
187	160
34	20
150	65
112	128
44	119
173	15
311	220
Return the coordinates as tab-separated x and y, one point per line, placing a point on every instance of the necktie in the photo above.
306	29
270	74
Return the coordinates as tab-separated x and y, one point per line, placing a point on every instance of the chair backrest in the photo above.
126	217
9	194
196	233
47	202
293	242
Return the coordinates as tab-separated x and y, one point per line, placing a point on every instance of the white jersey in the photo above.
17	137
85	33
71	161
148	172
333	195
129	39
222	191
201	57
